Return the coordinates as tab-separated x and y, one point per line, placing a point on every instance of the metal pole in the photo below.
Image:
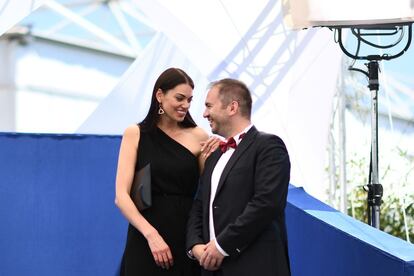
8	88
332	169
342	151
374	188
375	210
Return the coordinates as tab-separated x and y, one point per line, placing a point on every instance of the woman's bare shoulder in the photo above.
132	132
200	134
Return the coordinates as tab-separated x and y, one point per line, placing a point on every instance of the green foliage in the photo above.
397	205
391	215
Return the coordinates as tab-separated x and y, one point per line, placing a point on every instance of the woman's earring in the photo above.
160	110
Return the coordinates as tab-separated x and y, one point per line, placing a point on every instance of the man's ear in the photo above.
233	107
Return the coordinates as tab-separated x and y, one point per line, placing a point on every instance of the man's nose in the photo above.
205	113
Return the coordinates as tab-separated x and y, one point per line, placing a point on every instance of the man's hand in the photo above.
211	258
198	251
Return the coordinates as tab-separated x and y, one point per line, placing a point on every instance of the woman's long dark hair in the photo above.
168	79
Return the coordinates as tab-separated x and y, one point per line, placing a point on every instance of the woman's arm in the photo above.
124	177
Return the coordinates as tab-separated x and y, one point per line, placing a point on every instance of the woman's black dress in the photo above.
174	178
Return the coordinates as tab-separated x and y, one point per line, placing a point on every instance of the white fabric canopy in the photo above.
292	74
12	12
291	99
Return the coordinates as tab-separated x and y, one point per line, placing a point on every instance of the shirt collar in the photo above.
237	136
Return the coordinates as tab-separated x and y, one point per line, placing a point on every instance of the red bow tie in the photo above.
231	143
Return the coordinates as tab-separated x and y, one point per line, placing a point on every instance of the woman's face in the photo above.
176	101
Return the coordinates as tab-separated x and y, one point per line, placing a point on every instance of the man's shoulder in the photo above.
265	141
262	136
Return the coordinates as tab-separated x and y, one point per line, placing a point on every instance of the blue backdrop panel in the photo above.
56	205
57	217
323	241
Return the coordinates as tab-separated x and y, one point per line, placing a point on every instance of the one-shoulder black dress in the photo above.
174	178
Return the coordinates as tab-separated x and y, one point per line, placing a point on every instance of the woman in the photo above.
171	142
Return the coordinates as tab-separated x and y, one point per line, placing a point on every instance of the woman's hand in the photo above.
160	250
209	146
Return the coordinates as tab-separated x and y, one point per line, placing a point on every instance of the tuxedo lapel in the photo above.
241	148
208	171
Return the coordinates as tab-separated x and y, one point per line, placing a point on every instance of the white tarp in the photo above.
292	74
12	11
128	102
294	98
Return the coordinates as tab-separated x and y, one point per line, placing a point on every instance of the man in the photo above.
237	222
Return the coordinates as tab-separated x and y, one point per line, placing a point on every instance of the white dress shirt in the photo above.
215	178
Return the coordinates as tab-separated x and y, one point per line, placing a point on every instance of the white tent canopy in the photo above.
12	12
292	74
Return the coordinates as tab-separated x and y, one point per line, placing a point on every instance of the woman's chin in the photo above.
180	119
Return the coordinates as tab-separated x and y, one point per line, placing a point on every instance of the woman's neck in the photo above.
168	125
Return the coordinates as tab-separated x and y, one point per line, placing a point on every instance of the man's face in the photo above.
215	112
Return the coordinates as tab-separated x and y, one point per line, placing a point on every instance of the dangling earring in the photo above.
160	110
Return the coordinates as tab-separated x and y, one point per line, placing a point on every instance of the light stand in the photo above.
374	188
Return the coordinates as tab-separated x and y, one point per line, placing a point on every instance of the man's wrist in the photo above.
191	255
221	250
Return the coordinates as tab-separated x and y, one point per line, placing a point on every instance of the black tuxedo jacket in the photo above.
248	209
